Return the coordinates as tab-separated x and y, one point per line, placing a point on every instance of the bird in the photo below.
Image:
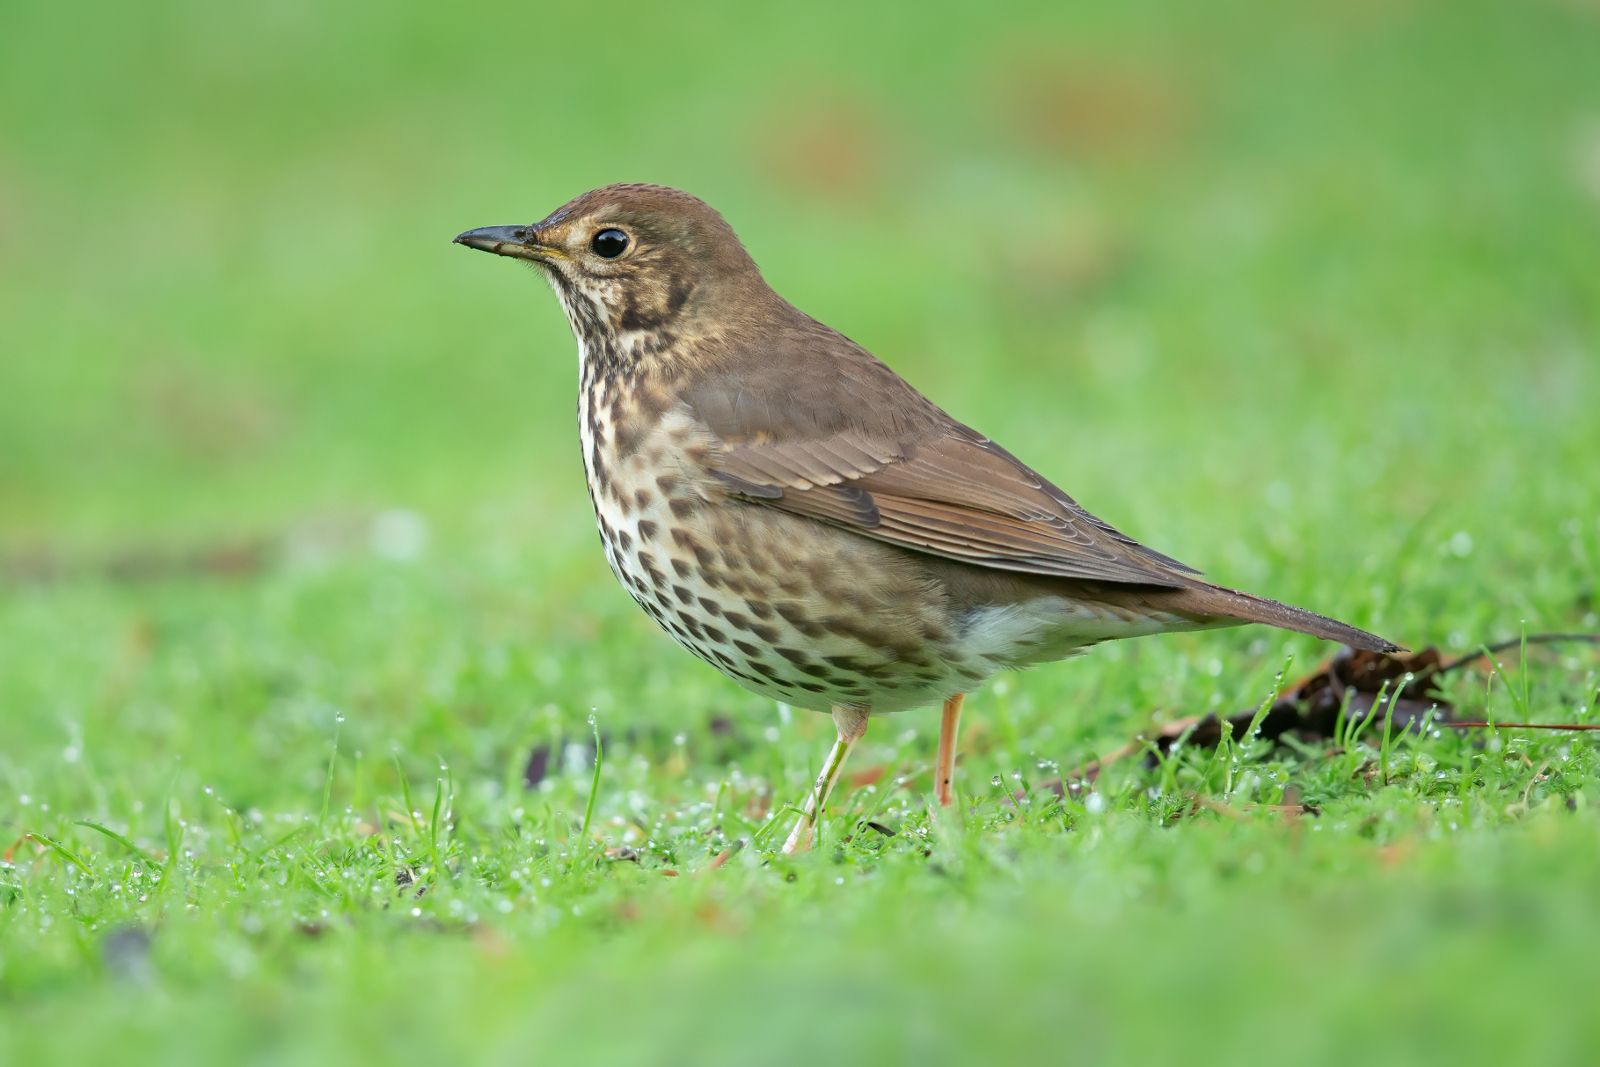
797	515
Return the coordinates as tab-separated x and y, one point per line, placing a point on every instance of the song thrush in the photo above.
794	513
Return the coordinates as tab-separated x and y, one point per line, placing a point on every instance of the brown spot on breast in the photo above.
626	432
711	606
796	617
709	576
758	609
736	620
647	530
691	623
769	634
846	627
616	493
666	483
681	567
683	507
716	635
642	497
747	648
624	539
657	579
683	595
793	655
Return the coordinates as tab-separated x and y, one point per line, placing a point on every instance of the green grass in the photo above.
1305	295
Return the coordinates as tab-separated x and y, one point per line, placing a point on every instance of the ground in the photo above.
306	639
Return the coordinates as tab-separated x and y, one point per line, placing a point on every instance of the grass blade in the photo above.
123	841
594	786
327	781
61	850
405	794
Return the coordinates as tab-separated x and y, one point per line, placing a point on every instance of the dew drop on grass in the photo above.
416	913
1095	803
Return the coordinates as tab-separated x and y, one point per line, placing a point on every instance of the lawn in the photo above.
327	736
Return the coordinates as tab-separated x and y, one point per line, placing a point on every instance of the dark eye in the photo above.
609	244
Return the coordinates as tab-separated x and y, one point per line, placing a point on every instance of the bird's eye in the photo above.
609	244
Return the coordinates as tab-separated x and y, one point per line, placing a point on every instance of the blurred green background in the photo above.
1304	294
1152	246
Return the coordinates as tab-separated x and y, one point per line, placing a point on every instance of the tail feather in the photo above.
1214	600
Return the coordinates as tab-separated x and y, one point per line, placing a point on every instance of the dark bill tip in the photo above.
517	241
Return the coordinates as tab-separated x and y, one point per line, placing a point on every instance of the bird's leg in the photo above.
945	768
851	722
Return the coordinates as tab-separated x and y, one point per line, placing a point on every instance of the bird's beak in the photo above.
519	242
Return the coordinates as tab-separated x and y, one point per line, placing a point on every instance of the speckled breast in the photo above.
788	607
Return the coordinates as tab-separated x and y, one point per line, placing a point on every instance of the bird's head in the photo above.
633	264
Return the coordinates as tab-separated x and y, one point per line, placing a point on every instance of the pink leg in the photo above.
945	769
851	724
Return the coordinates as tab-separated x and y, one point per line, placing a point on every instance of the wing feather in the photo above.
811	424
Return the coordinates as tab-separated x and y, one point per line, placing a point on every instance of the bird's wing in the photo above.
874	456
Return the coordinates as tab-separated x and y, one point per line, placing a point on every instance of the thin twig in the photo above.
1520	725
1532	639
722	857
1220	808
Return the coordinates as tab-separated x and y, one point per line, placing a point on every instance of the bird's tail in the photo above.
1204	599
